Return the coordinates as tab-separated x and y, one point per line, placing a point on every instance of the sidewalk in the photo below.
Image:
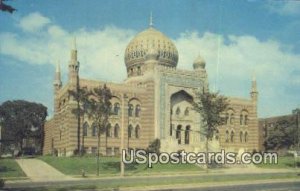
37	170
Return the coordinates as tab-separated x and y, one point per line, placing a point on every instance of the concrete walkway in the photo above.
38	170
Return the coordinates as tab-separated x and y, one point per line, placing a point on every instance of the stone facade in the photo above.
153	102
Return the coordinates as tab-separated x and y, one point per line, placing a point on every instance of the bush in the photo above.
2	181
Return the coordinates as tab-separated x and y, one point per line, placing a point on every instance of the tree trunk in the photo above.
98	154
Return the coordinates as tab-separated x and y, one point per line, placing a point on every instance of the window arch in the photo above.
130	131
116	108
108	130
85	129
116	130
137	110
94	129
137	131
232	136
130	110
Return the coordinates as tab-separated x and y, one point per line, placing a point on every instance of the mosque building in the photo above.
153	102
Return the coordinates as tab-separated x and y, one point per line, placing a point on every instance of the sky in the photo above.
237	39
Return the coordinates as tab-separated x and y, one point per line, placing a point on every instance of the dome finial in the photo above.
151	20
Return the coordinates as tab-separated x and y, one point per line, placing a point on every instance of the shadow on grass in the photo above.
70	188
115	166
292	165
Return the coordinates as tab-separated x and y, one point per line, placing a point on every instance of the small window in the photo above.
178	111
116	130
232	136
186	112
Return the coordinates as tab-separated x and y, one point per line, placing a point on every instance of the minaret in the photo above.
57	80
57	86
73	65
254	92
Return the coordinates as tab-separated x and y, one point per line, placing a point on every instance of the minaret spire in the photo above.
254	92
73	63
57	80
151	20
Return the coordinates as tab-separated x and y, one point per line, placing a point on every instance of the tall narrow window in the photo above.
116	131
137	131
94	130
85	128
241	136
178	134
227	136
108	130
129	131
232	136
187	135
116	108
137	110
130	110
246	137
178	111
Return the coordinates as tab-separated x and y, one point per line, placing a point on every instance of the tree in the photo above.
210	106
99	111
23	120
81	95
4	7
154	146
281	135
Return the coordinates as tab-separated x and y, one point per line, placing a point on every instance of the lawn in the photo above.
111	166
9	169
283	162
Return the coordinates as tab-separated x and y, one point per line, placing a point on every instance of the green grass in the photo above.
283	162
111	165
9	169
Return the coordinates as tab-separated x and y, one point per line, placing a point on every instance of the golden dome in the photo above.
137	49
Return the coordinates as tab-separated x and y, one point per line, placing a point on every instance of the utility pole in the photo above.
124	96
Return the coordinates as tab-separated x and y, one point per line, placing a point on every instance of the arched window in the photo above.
186	112
108	130
178	111
178	134
246	137
137	131
232	136
116	108
231	119
130	131
85	129
130	110
241	119
246	120
227	118
139	71
94	130
241	136
227	136
137	110
187	135
116	131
